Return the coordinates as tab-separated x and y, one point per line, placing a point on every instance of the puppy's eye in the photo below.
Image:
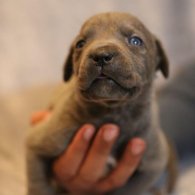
135	41
80	44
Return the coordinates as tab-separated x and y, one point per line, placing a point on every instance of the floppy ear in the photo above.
68	66
162	62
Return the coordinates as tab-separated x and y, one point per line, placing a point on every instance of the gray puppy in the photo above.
109	75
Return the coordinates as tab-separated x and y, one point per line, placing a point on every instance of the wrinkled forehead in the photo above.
109	23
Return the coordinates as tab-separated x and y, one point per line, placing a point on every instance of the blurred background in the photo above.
34	39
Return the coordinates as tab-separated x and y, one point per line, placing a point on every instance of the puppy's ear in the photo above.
162	61
68	66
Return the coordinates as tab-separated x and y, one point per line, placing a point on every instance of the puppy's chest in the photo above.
119	119
130	122
130	126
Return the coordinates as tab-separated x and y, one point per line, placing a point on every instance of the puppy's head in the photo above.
114	57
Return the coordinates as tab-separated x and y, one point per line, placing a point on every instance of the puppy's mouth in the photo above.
132	90
108	85
102	76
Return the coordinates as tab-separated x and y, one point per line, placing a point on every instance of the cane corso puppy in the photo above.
108	76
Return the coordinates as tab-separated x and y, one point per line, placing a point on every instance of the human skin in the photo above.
74	169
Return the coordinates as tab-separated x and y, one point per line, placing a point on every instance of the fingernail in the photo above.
110	133
137	149
88	134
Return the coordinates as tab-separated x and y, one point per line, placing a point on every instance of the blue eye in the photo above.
135	41
80	44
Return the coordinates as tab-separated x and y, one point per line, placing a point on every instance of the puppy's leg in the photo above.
172	168
44	142
38	182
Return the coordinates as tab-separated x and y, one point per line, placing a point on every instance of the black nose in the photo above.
102	58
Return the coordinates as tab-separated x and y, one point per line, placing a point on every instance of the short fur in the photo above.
108	80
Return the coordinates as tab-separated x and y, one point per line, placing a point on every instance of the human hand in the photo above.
80	168
39	116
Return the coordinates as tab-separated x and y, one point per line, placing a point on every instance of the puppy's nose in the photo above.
102	58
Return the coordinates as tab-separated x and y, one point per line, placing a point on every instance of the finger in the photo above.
94	165
39	116
126	166
67	165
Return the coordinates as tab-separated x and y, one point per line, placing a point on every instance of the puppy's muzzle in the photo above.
107	72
